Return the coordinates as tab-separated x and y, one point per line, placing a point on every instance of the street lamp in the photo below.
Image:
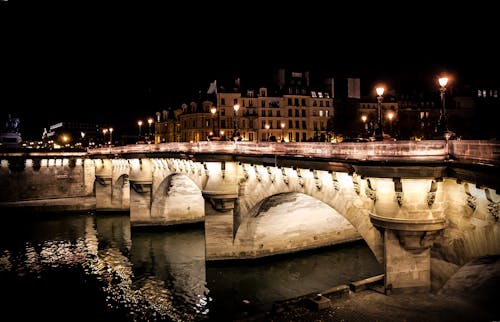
267	131
213	110
111	136
390	115
379	133
140	124
236	134
150	121
365	126
443	117
282	127
104	131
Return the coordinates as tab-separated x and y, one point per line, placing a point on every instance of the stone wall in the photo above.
32	179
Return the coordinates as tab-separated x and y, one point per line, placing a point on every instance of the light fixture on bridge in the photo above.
443	116
379	133
236	135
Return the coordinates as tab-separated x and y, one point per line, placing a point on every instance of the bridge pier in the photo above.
103	183
141	184
407	257
219	225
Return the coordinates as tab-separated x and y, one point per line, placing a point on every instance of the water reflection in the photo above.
87	268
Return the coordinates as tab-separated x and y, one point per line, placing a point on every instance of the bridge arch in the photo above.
177	199
343	192
289	222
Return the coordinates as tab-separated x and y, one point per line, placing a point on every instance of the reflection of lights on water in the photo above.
202	303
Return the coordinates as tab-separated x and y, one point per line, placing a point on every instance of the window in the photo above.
315	113
303	113
290	124
297	124
235	101
296	102
263	103
222	101
270	113
327	113
315	103
321	113
289	112
297	113
263	124
223	123
278	114
289	102
303	102
315	125
320	103
304	125
327	103
263	112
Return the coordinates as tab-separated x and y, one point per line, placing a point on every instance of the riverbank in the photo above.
55	205
470	295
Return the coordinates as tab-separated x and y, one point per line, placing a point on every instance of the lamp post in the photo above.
365	129
443	117
379	133
213	110
104	131
236	134
150	121
282	127
267	132
390	115
110	136
139	123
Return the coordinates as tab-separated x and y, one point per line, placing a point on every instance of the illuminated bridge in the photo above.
406	199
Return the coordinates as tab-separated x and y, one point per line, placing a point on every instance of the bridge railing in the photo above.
413	150
430	150
476	151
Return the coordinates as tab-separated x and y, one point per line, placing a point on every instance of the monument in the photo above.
9	135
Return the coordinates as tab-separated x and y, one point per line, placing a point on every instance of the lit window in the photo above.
321	113
479	93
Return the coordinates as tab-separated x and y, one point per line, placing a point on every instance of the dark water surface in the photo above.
84	267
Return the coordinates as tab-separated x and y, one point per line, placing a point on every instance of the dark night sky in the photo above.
116	66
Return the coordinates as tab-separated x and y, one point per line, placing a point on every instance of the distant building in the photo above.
288	110
73	134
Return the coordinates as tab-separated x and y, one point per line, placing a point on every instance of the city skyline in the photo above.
118	75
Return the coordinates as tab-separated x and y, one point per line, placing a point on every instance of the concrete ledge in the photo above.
366	283
339	291
319	302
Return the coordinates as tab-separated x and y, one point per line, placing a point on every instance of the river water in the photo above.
87	267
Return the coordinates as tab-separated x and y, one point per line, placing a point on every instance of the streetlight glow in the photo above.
139	123
110	136
443	81
443	116
236	134
379	133
213	110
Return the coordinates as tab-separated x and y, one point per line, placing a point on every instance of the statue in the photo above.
12	125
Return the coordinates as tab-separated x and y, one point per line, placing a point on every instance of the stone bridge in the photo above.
271	198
